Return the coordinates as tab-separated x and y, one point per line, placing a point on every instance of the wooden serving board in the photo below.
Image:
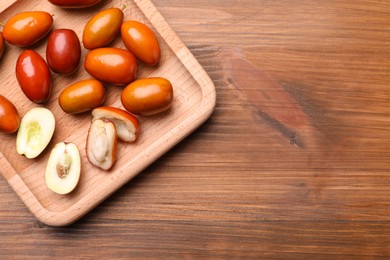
193	103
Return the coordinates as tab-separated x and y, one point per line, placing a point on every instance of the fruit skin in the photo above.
74	3
33	76
26	28
147	96
102	28
63	168
101	147
111	65
126	124
9	116
35	132
82	96
63	51
2	45
141	41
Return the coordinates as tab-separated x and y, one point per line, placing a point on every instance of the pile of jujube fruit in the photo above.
106	66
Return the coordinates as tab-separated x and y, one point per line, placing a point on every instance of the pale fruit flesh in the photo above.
127	125
101	144
35	132
63	168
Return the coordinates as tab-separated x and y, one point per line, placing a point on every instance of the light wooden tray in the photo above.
193	104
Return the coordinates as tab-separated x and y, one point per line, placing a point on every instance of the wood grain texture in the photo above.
293	163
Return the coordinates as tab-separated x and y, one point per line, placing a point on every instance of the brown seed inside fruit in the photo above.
63	165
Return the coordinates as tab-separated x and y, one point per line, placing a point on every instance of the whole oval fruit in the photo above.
33	76
111	65
74	3
2	44
82	96
9	116
147	96
63	51
26	28
102	28
141	41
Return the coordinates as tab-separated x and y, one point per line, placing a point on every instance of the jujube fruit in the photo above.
141	41
126	124
82	96
2	44
111	65
147	96
33	76
9	116
63	168
35	132
26	28
101	147
102	28
74	3
63	51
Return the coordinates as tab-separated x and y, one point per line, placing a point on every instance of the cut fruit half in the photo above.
35	132
127	125
102	144
63	168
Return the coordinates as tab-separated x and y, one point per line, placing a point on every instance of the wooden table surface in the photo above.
294	163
